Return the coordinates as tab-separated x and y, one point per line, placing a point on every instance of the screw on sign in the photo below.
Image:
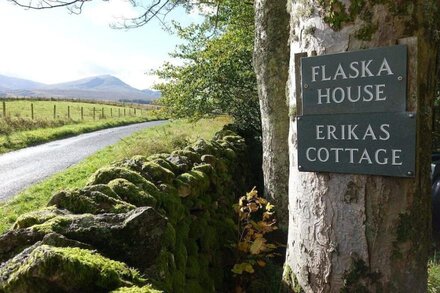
354	118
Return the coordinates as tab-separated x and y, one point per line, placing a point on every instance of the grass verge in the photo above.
164	138
22	139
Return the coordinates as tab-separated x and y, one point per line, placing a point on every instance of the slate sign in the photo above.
372	80
354	118
373	143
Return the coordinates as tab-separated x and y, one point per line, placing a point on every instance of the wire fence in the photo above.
70	110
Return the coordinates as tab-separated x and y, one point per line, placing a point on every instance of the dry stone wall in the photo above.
147	224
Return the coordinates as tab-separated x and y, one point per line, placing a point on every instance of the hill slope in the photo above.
103	87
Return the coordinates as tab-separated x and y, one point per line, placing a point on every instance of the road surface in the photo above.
22	168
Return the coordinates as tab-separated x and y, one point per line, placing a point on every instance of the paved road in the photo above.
25	167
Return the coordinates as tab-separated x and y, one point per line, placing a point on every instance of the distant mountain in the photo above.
103	87
12	83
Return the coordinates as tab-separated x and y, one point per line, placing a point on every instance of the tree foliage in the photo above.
216	74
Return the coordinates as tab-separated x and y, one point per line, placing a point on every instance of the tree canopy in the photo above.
216	74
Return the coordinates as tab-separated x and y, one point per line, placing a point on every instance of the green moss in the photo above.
164	269
193	286
105	175
205	168
179	282
222	133
192	183
191	247
103	188
198	228
181	256
172	204
183	188
89	201
365	33
37	217
157	172
203	147
209	241
58	223
165	164
132	193
192	156
136	289
292	111
290	281
158	156
66	268
134	163
192	267
433	277
169	237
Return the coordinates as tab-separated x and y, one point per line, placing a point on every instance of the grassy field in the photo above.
164	138
27	122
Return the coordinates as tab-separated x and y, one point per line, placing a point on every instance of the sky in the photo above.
53	45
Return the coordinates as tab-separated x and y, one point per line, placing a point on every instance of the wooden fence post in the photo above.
94	114
4	109
32	111
68	112
102	113
111	112
82	113
54	111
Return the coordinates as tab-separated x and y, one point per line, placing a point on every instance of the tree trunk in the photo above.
271	62
359	233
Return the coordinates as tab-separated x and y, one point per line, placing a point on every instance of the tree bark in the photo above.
271	62
359	233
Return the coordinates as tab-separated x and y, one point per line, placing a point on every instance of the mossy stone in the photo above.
222	133
197	228
136	289
191	247
80	201
163	269
102	188
179	282
209	159
158	156
203	147
230	154
132	193
134	163
157	172
205	168
209	241
192	267
169	237
192	156
194	286
182	163
181	256
105	175
38	217
172	204
49	269
192	183
165	164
